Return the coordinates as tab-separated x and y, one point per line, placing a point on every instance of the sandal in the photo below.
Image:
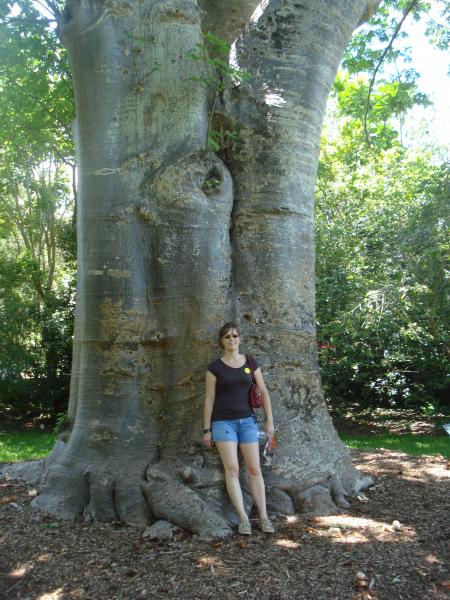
245	528
266	526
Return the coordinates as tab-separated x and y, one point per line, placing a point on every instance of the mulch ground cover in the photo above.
359	554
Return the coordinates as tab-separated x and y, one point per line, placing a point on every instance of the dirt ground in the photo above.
308	558
373	421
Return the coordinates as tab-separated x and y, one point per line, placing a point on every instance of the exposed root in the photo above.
177	491
338	492
172	501
101	501
315	500
351	479
29	471
279	502
326	496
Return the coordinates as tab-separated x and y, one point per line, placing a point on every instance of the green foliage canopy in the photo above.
37	239
382	263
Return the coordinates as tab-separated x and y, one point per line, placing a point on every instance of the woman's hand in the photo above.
269	428
207	439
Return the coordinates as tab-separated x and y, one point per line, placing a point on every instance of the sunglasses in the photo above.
229	336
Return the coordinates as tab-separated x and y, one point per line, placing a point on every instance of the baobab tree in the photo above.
174	239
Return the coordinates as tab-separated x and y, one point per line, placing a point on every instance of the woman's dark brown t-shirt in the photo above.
232	399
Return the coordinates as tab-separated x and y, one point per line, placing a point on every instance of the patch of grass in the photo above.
29	445
407	443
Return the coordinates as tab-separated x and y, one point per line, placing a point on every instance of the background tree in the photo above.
382	282
382	229
37	238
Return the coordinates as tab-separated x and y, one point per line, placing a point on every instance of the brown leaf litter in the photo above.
392	547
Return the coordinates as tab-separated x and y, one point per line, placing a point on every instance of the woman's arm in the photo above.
267	406
210	396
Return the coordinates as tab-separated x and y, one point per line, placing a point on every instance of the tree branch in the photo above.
380	62
38	100
49	6
47	110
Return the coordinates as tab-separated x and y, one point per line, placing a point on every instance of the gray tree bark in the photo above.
164	259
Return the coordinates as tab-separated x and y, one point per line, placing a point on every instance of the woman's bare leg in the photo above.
250	452
229	457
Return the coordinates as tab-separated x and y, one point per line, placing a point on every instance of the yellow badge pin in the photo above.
247	370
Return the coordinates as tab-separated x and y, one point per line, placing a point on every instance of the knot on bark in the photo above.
189	183
154	337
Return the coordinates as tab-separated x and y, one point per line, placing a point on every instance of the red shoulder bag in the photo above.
256	400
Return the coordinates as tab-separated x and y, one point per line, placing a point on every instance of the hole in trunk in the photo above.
213	181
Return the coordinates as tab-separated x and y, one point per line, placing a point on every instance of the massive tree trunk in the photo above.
165	258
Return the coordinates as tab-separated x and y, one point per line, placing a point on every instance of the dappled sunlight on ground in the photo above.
431	470
292	519
285	543
349	529
413	468
21	570
44	557
433	560
55	595
207	561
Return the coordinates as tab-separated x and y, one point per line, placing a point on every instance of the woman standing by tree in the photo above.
229	421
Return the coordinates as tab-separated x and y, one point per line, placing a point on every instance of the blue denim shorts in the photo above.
243	431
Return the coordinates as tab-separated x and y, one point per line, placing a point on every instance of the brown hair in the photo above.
225	329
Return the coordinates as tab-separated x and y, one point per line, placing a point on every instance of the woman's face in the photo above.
230	340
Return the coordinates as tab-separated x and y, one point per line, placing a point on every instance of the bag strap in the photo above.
252	365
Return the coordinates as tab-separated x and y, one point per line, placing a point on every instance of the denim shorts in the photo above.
243	431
